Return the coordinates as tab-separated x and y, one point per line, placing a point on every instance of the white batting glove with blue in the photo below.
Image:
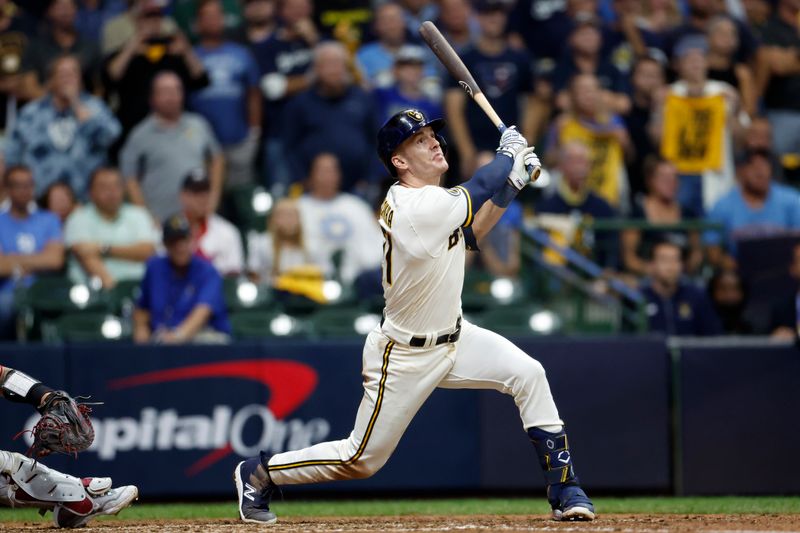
511	142
526	168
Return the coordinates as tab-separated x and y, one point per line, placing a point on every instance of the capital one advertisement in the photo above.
176	420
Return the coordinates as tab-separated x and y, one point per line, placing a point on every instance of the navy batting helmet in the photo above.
400	127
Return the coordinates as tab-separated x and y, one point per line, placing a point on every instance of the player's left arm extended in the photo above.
505	190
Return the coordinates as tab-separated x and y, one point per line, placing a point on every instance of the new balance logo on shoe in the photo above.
249	490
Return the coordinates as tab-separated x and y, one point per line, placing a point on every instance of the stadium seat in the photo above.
251	205
84	327
57	295
263	324
343	322
519	320
47	298
242	294
124	294
476	295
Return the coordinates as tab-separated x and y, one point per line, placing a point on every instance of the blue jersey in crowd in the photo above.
389	101
27	236
344	126
688	312
290	58
232	71
504	78
780	212
170	298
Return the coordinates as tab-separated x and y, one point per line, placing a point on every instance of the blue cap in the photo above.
690	42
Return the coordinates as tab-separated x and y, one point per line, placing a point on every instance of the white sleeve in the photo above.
232	255
257	254
435	213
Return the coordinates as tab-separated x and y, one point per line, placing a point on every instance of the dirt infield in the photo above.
632	523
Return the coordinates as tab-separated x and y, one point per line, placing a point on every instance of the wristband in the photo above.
21	388
504	196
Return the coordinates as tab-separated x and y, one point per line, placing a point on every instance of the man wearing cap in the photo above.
181	298
109	239
406	90
213	237
504	74
423	342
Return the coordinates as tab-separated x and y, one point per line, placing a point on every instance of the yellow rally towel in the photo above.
606	157
692	137
304	280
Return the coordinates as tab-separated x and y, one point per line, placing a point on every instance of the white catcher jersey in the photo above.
423	256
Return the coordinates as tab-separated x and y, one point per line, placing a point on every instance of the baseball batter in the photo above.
25	482
423	342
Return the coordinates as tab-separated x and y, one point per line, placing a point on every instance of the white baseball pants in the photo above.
397	381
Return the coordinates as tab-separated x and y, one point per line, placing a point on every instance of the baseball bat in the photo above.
456	67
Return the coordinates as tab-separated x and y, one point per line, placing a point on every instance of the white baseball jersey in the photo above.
424	253
423	274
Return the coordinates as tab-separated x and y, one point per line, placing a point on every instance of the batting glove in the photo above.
511	142
526	166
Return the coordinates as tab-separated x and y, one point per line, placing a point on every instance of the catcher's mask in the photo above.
400	127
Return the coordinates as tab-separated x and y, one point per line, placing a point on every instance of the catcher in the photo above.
64	428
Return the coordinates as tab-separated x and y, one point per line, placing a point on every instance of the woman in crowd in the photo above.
281	249
59	199
659	206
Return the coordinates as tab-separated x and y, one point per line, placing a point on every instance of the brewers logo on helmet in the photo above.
400	127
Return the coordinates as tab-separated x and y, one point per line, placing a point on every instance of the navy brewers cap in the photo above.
196	181
176	227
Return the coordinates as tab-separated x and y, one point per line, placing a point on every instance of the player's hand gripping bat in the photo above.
436	41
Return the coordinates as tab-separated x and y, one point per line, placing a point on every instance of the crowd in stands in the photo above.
129	127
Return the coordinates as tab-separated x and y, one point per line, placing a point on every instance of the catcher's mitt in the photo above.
64	427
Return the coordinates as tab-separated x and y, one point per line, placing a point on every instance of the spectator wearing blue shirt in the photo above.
675	306
30	243
757	207
232	101
376	59
65	135
505	76
334	115
182	298
406	92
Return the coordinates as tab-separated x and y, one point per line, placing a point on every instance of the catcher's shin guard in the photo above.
40	486
564	493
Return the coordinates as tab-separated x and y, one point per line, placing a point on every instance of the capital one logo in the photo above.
221	431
